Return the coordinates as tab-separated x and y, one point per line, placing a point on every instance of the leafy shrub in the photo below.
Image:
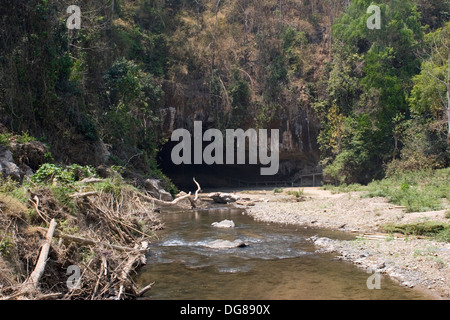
5	246
278	190
5	138
50	172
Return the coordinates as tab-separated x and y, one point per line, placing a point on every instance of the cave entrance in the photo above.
209	176
296	169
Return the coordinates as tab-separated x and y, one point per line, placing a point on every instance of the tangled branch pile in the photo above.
100	229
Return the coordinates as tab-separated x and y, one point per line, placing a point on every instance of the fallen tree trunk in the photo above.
177	200
32	283
42	261
84	194
86	241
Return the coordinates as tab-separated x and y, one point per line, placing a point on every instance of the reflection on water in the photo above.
278	264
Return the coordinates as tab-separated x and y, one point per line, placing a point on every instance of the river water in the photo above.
279	263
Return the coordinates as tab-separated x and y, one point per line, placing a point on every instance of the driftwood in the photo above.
86	241
31	285
91	180
177	200
125	274
198	189
42	261
145	197
36	207
84	194
142	291
116	229
384	236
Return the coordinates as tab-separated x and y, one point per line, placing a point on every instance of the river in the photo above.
279	263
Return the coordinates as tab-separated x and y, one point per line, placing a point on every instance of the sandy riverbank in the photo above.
414	262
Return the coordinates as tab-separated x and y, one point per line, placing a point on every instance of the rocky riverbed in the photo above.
415	262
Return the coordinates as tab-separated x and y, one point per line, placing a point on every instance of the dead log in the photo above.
198	189
86	241
32	283
128	267
177	200
91	180
42	261
84	194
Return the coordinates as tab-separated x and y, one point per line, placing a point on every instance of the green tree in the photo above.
369	82
431	93
241	99
130	119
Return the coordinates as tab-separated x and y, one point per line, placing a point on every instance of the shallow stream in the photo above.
279	263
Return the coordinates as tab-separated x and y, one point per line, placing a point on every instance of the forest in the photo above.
377	99
92	90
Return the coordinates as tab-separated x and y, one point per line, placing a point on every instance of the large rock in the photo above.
225	244
325	245
8	168
223	224
30	154
223	198
156	191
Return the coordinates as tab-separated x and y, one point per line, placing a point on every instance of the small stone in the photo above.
381	265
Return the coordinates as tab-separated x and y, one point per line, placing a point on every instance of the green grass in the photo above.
5	138
438	230
297	194
278	190
417	191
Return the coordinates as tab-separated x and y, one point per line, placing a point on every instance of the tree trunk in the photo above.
32	283
448	113
213	62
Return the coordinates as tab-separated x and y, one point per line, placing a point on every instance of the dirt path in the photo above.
414	262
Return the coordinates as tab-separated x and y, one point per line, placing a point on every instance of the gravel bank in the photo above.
414	262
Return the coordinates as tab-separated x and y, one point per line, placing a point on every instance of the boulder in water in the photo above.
223	224
225	244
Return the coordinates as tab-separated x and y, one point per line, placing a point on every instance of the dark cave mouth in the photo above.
209	176
233	176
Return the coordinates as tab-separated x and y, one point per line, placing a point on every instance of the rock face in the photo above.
156	191
225	244
299	151
224	224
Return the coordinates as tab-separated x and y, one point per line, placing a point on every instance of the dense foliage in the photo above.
378	95
386	104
